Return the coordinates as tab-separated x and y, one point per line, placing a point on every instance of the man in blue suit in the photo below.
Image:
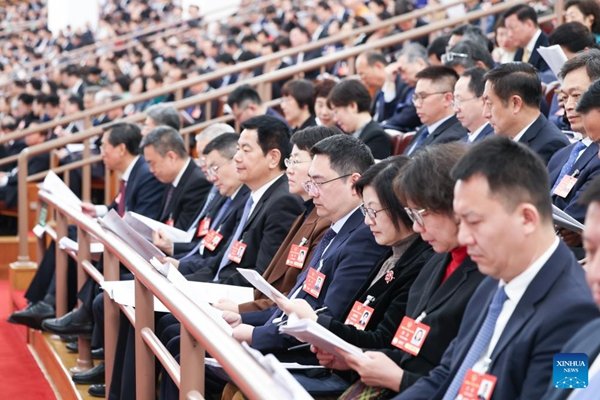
587	339
512	97
534	298
468	104
572	168
522	25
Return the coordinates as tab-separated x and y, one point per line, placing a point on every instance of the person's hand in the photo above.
300	307
162	241
243	333
329	360
232	318
89	209
376	369
227	305
391	71
572	239
174	262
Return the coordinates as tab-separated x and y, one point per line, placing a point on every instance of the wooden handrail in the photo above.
245	371
251	64
215	94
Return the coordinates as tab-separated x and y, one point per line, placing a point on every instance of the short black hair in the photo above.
225	144
243	94
26	98
589	59
439	75
306	138
523	12
430	164
438	46
125	133
347	154
516	79
379	176
323	87
574	36
476	82
590	100
522	180
350	91
272	133
78	101
373	57
301	90
164	139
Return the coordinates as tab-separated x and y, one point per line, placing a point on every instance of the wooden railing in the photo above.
199	333
206	98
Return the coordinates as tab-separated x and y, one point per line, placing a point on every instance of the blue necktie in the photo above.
235	237
569	164
419	141
314	261
479	345
591	390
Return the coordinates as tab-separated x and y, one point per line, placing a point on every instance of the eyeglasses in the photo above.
416	216
314	188
418	97
292	162
371	213
456	102
212	170
449	56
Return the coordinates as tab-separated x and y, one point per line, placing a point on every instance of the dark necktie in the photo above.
121	203
480	344
419	141
167	206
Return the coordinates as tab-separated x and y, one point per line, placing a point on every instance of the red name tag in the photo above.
564	187
170	222
203	227
410	335
237	252
314	283
477	386
296	256
359	316
212	239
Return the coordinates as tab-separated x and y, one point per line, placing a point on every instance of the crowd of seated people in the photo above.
444	264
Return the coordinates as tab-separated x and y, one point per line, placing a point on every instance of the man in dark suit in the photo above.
534	297
350	100
468	104
572	168
139	192
433	100
169	161
587	340
512	97
522	25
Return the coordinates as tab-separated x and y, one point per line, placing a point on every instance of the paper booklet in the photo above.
67	243
554	57
261	284
309	331
55	186
145	226
287	365
129	235
564	220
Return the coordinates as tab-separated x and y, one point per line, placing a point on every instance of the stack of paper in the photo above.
564	220
66	243
55	186
309	331
261	284
145	226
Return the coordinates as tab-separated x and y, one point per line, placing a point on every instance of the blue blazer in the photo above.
485	132
347	263
450	130
143	191
585	341
556	304
588	166
544	138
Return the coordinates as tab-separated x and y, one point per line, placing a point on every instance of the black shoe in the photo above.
68	338
72	347
67	324
33	315
97	390
91	376
98	354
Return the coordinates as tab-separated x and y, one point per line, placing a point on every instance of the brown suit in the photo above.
278	273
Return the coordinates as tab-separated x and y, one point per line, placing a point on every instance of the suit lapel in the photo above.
533	130
275	186
132	182
448	288
588	155
441	261
351	224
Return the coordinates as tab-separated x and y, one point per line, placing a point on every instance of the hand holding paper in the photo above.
261	284
299	307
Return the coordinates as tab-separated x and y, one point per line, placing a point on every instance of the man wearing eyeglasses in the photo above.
468	104
433	101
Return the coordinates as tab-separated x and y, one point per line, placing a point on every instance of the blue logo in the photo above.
570	370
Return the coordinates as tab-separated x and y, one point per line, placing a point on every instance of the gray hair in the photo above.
164	139
214	130
413	52
164	114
